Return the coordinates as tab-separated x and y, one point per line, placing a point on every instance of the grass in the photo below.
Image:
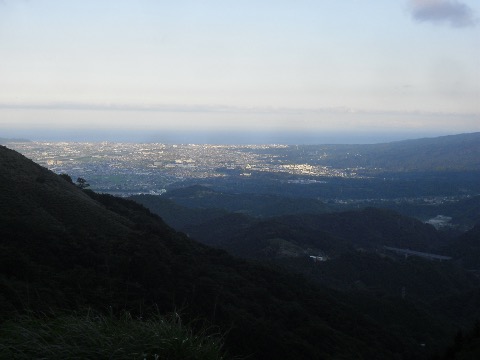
95	336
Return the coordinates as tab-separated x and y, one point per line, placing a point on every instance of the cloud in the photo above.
452	12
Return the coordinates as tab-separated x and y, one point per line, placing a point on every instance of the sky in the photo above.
230	70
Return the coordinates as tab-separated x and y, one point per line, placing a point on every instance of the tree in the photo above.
82	183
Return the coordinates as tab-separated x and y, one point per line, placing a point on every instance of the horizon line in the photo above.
218	108
241	139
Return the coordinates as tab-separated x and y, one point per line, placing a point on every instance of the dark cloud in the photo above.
451	12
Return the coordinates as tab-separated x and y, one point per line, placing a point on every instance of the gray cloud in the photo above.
452	12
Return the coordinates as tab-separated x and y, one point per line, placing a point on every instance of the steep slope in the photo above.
30	192
66	248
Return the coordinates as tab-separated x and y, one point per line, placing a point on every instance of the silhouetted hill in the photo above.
464	213
383	275
62	247
465	345
12	140
33	196
175	215
265	205
467	248
333	233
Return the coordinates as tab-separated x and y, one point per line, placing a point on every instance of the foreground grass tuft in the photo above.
105	337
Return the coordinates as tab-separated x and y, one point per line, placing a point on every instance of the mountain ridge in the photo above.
450	152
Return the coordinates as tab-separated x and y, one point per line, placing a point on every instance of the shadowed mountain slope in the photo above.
467	248
264	205
328	233
176	215
62	247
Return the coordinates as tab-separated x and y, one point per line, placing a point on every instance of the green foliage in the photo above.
92	335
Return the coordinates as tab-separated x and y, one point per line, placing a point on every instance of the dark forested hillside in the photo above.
328	233
65	248
462	214
177	215
467	248
252	204
357	264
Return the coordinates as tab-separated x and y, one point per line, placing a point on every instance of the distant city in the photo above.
340	175
129	168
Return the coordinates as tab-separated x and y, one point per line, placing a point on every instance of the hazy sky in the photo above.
399	66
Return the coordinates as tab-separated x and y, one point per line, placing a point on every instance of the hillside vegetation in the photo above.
352	242
64	248
97	336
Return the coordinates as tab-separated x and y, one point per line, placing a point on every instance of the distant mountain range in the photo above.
12	140
453	152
